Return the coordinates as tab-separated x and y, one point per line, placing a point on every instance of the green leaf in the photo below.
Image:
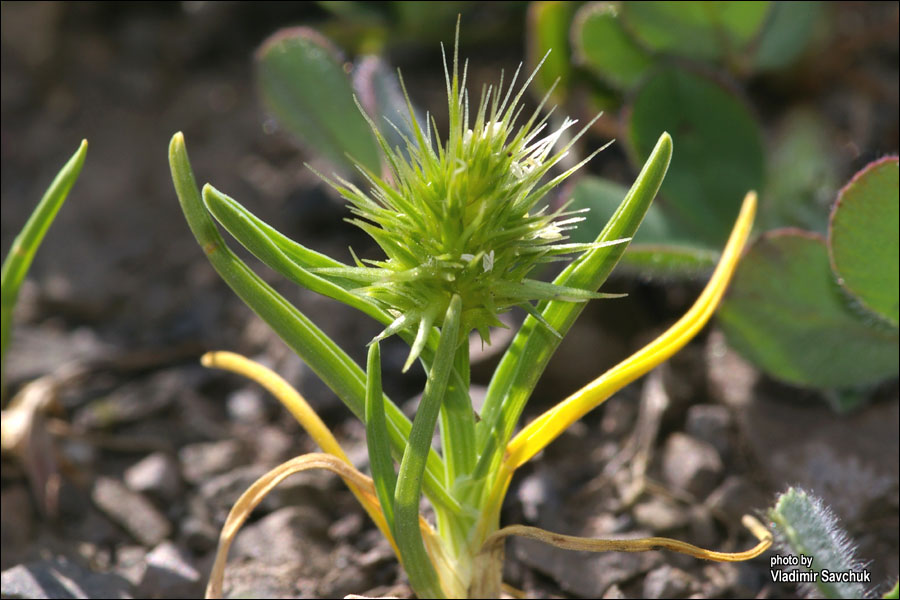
801	184
303	83
601	197
863	238
377	440
548	31
785	313
787	33
701	30
24	247
244	228
308	268
655	252
604	47
668	262
720	153
458	425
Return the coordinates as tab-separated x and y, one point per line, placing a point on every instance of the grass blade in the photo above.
296	261
458	423
24	247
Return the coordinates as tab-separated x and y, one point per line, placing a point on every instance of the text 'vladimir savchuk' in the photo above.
807	575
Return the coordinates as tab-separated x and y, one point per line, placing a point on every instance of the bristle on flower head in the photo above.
463	216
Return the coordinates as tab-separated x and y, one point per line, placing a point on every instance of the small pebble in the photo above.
132	511
199	536
155	475
691	465
710	423
667	582
60	578
202	460
659	515
247	405
169	574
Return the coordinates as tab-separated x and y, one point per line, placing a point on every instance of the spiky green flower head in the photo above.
465	216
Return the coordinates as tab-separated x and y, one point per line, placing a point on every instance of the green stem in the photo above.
421	572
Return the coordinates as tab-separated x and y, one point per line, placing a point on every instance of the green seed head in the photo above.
464	216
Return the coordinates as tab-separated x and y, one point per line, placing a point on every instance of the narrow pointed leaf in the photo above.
17	262
254	239
377	440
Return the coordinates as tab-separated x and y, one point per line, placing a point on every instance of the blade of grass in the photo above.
326	359
377	436
530	351
421	572
457	423
24	247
